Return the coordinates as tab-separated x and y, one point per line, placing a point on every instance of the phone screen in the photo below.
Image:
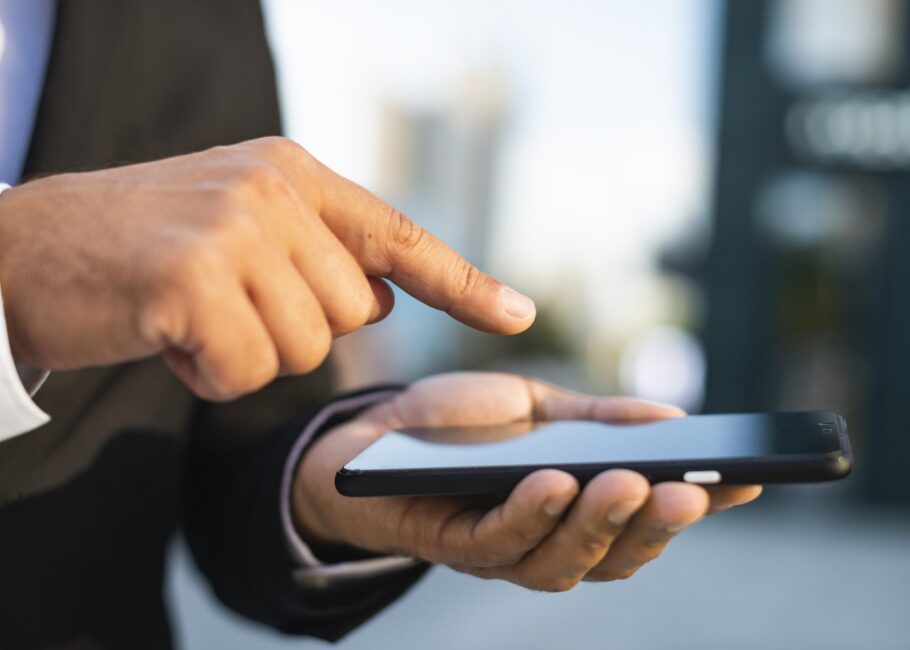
573	442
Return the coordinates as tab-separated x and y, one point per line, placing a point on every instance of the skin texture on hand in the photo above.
236	264
548	535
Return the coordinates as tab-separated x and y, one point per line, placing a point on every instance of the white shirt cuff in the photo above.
312	572
18	382
18	413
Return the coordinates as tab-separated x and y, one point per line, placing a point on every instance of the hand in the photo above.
547	535
237	263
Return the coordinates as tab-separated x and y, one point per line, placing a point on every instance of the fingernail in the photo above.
515	304
674	528
621	511
556	505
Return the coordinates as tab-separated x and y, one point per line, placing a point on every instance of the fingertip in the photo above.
724	497
549	482
620	485
551	490
750	493
627	408
520	311
547	491
680	503
496	309
671	411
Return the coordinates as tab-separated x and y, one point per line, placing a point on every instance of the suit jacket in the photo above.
89	502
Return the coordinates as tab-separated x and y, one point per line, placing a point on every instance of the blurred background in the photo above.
710	204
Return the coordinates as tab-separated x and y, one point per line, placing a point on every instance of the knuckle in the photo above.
594	537
263	368
425	540
159	319
468	278
361	308
184	265
404	233
261	181
529	535
355	315
319	343
226	219
229	231
260	369
173	279
403	527
279	145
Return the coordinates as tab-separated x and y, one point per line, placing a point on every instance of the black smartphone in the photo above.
707	449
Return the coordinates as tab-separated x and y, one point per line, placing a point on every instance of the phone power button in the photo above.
703	477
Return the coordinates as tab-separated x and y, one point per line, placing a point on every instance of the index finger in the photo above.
387	244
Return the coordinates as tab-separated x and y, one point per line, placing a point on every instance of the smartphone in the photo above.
726	449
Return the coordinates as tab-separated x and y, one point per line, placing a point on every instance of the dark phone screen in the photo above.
576	442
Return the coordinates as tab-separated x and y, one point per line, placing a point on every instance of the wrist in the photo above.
313	511
323	516
304	506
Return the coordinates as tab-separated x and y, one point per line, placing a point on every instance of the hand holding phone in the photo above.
548	534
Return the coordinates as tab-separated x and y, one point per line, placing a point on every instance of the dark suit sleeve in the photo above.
233	526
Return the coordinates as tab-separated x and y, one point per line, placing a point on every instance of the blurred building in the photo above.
807	275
